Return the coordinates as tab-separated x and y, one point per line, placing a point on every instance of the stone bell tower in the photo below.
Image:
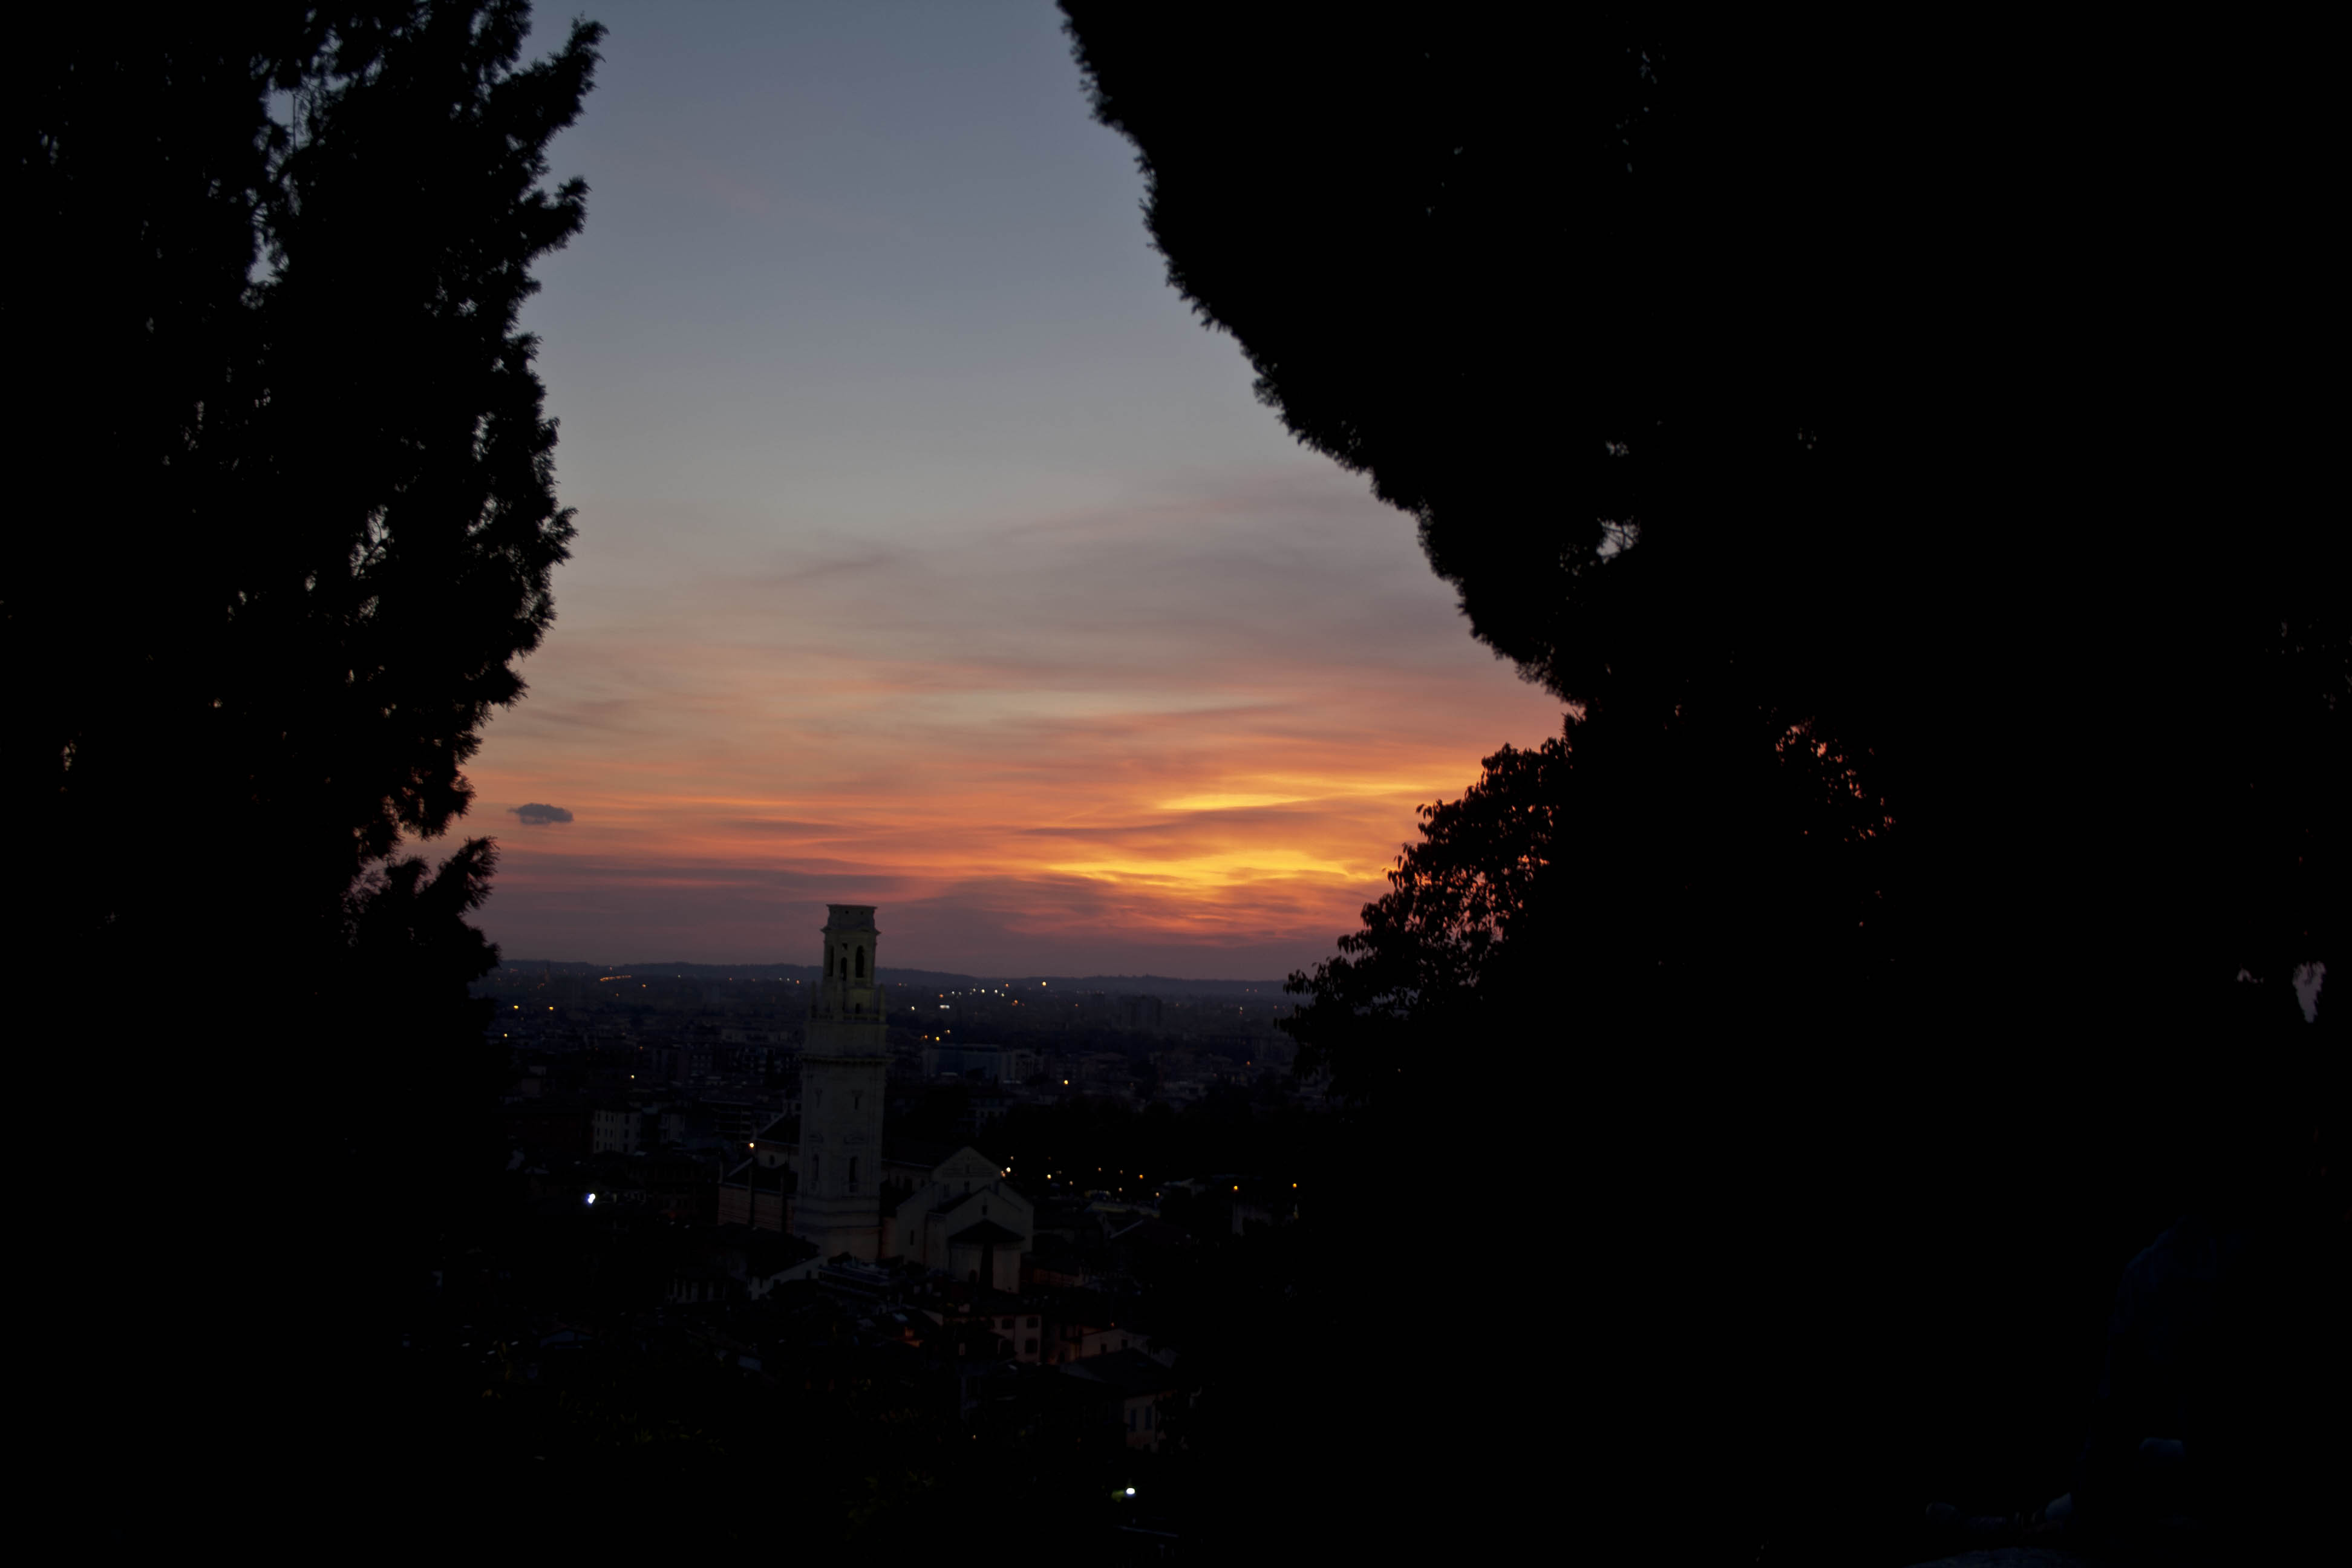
844	1066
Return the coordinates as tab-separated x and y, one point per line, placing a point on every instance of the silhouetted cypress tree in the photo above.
288	476
1791	381
285	522
1886	439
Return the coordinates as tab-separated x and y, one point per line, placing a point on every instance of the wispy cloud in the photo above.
1181	729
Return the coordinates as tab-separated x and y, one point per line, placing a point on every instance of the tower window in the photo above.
861	963
852	1172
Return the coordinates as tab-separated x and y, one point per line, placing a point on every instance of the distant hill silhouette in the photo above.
947	980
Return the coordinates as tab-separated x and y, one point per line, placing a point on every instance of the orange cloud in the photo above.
1187	736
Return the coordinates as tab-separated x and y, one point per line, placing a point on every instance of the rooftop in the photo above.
1129	1371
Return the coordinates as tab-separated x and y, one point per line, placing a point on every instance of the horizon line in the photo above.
882	970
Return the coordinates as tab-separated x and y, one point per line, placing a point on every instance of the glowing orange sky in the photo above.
930	552
1184	738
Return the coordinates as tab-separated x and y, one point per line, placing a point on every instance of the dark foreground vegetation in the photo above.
1897	450
548	1388
1886	442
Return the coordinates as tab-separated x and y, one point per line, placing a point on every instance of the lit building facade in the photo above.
845	1066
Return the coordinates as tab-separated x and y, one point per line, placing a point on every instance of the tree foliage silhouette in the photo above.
290	485
1701	359
1496	906
286	526
1886	442
292	474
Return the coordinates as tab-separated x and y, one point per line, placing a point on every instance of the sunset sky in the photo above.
931	554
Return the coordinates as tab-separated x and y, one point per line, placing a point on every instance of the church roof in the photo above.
950	1202
987	1230
916	1152
928	1156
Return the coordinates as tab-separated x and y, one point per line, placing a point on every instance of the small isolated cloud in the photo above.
537	816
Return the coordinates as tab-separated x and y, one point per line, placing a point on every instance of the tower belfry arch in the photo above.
844	1068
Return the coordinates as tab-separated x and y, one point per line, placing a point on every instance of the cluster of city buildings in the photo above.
778	1182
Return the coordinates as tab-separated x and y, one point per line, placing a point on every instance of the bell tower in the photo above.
844	1072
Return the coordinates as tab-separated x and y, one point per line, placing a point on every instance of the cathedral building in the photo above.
963	1221
845	1073
822	1176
